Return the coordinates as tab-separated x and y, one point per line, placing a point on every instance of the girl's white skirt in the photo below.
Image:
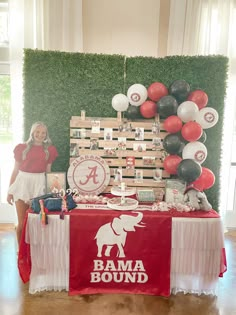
28	186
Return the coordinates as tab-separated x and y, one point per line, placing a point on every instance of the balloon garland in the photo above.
185	115
195	117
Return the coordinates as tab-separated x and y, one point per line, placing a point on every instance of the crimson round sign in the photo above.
88	174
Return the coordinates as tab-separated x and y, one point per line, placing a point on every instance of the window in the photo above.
6	159
5	133
5	109
4	41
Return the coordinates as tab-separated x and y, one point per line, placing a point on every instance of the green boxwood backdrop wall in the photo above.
58	85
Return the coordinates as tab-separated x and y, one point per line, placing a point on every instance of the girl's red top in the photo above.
35	161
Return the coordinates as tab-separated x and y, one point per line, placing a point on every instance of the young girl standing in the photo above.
32	159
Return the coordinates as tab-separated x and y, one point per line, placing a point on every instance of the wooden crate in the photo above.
81	135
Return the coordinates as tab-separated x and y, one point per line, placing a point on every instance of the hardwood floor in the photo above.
15	299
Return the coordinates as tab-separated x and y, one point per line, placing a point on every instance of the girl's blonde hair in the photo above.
46	143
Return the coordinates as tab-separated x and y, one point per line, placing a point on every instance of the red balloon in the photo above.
156	91
191	131
148	109
205	181
199	97
173	124
171	163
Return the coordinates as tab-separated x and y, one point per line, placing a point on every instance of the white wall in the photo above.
127	27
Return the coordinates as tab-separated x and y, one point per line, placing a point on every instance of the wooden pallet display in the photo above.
81	138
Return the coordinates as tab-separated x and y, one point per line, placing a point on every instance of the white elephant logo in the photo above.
115	233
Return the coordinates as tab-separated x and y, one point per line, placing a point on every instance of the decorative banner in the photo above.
116	247
88	174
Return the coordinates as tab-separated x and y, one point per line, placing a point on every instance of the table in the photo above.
197	251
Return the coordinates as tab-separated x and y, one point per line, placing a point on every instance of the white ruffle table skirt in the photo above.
196	254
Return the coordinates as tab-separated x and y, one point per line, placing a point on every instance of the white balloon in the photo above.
196	151
120	102
207	117
187	111
137	94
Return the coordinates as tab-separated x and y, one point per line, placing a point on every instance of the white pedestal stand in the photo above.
122	203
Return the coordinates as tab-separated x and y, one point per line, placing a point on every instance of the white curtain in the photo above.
42	24
207	27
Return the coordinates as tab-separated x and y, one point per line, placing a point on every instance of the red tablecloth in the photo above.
24	259
87	249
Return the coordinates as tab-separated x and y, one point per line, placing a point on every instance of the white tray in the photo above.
129	191
129	204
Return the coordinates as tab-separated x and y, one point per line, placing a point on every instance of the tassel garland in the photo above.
43	214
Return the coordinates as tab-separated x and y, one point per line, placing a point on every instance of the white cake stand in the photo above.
122	203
